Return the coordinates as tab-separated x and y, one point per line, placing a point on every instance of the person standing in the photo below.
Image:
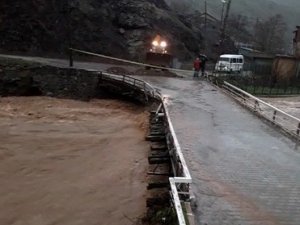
197	67
203	59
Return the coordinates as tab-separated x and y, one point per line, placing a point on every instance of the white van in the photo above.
230	63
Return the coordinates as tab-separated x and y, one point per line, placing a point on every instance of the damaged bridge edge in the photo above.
182	179
181	194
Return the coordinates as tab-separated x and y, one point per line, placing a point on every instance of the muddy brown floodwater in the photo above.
72	163
290	105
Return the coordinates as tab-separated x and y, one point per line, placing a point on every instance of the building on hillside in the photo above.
296	42
239	45
287	68
281	69
259	63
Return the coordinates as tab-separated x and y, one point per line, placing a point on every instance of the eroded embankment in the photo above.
24	78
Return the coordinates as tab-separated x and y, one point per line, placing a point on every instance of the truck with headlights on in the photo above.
158	54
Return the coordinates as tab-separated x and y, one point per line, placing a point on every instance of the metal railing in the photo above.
72	50
180	183
182	180
261	85
287	122
134	83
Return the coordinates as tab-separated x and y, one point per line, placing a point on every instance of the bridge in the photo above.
244	171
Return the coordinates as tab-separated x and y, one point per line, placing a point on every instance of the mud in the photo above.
290	105
141	72
70	162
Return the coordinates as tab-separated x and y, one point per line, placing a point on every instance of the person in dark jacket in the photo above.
203	59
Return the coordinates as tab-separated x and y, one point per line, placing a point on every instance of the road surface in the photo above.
244	171
63	63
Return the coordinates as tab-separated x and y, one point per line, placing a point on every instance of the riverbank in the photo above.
290	105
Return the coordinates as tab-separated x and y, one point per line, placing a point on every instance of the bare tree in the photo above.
269	35
238	21
239	28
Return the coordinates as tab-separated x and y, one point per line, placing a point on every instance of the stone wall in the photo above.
21	78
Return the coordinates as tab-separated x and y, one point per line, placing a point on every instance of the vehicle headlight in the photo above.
155	43
163	44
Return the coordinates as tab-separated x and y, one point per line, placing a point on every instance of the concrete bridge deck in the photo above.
244	171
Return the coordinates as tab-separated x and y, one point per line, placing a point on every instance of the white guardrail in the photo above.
285	121
182	180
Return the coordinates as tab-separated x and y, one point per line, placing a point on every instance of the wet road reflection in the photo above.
244	171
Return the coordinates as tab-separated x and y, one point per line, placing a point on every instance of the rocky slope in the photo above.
122	28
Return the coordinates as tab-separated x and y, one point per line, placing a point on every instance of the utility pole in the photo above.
205	14
223	29
205	26
69	11
70	31
222	14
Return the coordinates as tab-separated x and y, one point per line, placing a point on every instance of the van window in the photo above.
223	59
240	60
234	60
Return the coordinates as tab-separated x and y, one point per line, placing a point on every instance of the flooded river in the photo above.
70	162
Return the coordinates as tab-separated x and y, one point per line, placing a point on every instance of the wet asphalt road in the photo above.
64	63
244	171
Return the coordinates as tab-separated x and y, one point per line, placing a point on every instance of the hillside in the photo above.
122	28
254	9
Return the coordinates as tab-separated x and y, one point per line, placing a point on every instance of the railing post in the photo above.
274	115
255	103
123	78
71	58
298	130
244	98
